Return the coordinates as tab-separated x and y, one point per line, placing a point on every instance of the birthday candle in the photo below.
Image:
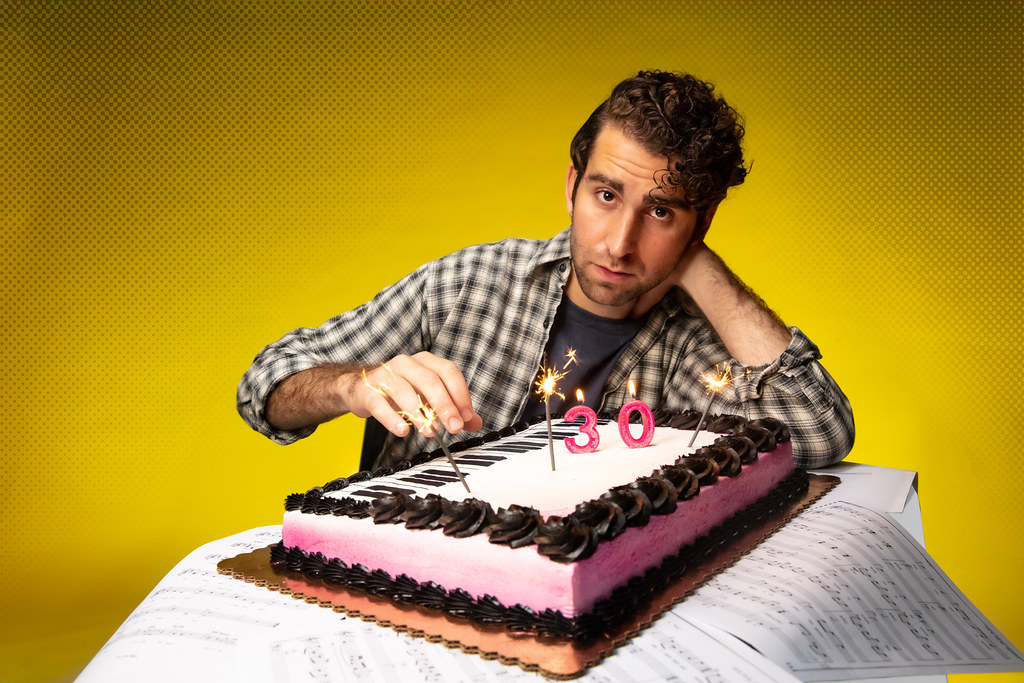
588	427
646	419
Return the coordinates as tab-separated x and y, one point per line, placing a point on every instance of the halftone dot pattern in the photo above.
187	181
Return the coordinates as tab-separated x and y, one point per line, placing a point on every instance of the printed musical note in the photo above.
862	599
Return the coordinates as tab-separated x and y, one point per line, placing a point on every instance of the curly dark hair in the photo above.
679	116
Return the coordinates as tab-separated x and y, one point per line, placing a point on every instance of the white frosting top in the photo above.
525	478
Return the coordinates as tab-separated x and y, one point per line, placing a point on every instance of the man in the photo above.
630	287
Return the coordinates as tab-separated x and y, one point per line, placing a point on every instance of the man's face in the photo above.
628	234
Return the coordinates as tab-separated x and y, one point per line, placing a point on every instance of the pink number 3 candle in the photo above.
589	427
646	419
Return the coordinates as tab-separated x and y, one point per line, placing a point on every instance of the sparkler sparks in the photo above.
379	389
547	384
717	382
714	383
422	419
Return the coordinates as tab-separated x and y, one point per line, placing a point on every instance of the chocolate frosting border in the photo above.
607	615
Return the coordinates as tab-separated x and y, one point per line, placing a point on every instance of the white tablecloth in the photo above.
199	625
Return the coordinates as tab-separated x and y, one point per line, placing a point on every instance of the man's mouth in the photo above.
611	275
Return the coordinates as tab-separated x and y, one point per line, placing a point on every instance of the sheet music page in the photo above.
672	651
842	592
877	488
194	622
199	625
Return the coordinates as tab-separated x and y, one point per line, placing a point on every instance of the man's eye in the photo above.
661	212
607	196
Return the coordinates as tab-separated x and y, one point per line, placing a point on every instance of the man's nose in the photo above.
623	236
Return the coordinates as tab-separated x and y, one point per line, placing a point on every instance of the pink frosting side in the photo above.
640	548
474	564
522	575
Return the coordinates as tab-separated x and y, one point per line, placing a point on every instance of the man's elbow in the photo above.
827	443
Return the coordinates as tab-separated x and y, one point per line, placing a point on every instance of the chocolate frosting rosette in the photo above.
683	479
659	491
744	446
727	459
423	513
565	539
388	509
514	526
636	507
605	517
466	517
705	468
725	424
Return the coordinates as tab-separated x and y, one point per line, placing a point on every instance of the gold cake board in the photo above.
553	658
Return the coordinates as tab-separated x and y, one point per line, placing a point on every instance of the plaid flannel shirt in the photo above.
489	308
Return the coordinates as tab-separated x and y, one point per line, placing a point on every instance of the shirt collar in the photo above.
554	250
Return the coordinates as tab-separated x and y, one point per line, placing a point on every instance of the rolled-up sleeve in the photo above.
373	333
273	364
796	389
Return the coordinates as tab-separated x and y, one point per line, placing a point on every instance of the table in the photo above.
199	625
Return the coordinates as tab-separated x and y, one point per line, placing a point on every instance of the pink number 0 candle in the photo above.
646	419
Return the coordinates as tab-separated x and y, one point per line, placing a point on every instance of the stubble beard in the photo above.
598	292
606	294
601	293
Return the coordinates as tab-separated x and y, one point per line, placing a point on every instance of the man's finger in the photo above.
456	393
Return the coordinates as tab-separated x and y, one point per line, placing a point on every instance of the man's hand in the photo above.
649	299
406	382
319	394
751	332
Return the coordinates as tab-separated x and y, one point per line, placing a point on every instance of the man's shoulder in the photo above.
514	251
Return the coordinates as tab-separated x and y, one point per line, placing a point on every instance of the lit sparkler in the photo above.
424	416
714	383
546	385
423	419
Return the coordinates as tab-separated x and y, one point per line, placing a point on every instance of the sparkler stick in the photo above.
546	383
551	441
715	383
427	415
451	461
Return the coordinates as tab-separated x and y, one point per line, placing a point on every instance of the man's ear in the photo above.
570	185
701	231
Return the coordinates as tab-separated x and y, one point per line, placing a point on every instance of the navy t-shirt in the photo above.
598	343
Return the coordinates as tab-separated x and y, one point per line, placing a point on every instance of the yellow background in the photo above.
183	183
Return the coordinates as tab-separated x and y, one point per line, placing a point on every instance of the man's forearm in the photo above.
751	332
310	397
